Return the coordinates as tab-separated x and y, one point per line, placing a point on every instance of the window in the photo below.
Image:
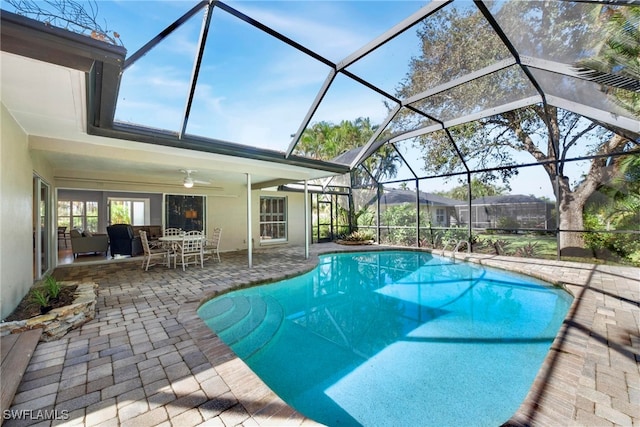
440	216
129	211
78	214
273	219
185	212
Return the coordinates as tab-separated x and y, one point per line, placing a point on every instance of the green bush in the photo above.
40	296
360	236
624	245
52	286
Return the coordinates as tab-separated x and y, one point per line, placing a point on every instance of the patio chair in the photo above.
212	245
171	231
190	250
150	254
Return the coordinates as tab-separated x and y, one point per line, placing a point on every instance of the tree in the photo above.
545	132
618	54
71	15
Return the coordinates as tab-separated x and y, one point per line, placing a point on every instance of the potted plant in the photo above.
53	288
41	297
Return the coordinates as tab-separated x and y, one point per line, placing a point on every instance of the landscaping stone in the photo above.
59	321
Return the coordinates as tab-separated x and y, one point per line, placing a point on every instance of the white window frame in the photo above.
265	222
147	208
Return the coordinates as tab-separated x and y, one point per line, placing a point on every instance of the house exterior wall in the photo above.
512	215
17	166
226	209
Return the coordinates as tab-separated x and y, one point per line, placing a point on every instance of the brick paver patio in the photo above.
148	360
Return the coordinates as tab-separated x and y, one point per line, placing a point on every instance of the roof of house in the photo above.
395	196
507	199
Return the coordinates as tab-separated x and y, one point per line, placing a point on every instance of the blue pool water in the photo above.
394	338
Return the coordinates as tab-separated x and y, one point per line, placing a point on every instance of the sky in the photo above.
255	90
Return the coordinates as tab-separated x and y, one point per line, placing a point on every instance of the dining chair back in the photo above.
190	249
212	245
171	231
149	253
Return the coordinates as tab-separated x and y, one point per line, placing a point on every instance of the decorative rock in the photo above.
56	323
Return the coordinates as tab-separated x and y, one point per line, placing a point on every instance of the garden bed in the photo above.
77	310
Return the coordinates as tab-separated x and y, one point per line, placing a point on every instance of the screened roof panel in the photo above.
583	92
153	91
506	149
347	99
333	29
501	87
252	100
442	159
406	120
389	63
439	59
553	30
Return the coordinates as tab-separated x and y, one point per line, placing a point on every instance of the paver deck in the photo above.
148	360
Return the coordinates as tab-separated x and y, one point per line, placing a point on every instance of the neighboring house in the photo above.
510	211
441	209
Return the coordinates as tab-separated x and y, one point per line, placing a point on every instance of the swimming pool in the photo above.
410	338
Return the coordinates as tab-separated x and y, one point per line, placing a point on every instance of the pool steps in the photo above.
246	324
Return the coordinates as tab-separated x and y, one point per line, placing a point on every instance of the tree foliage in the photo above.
619	53
77	16
478	189
548	30
327	141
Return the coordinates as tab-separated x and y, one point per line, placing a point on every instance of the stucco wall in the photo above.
16	250
226	208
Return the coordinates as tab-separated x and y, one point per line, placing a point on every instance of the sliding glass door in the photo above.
42	227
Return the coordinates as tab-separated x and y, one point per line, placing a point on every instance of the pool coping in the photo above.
577	383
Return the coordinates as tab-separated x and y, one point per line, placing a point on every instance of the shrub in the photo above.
40	296
498	245
527	251
360	236
52	286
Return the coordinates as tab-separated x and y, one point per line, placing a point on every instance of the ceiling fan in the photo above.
188	179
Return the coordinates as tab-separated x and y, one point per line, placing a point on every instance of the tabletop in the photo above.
178	238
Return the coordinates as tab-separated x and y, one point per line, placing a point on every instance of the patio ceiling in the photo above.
49	100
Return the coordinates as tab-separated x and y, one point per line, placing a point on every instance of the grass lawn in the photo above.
545	246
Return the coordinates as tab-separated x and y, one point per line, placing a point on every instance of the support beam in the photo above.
306	221
249	231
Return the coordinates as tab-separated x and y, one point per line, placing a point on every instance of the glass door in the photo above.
42	227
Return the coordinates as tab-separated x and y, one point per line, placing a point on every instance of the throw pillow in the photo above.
87	233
